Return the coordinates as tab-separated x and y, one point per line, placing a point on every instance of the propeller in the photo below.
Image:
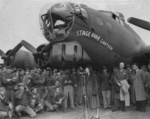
7	60
140	23
2	54
26	45
9	57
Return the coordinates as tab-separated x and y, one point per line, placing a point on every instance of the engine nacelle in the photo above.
43	59
68	54
22	59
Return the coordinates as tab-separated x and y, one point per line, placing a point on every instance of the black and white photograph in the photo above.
75	59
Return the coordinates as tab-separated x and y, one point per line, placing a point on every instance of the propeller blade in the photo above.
140	23
29	46
48	47
2	54
15	50
22	43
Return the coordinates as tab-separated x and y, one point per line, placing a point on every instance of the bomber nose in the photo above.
57	21
63	10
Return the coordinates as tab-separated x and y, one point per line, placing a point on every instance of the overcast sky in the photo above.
19	19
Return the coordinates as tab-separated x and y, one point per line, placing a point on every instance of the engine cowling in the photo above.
22	59
68	54
43	59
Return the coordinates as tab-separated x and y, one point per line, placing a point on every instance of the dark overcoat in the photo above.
139	85
92	91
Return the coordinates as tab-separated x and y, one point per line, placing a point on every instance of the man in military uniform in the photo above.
39	80
75	79
9	80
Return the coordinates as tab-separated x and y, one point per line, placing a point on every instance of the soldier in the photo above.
54	75
27	79
36	102
58	99
80	87
39	80
48	99
1	73
49	81
9	80
60	76
5	106
75	80
68	89
105	88
23	101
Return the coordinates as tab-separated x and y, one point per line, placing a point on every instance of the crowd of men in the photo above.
37	90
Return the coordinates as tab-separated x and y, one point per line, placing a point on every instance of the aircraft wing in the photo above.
140	23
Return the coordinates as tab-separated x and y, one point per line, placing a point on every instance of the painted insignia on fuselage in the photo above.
95	36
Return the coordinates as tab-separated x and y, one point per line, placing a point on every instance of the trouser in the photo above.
3	114
52	107
49	105
79	94
36	106
112	94
76	98
106	98
116	105
10	96
132	99
68	90
140	105
100	97
122	105
26	109
40	90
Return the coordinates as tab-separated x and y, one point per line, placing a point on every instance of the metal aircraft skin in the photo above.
80	35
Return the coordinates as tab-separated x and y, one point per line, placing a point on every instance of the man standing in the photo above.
39	80
121	78
106	88
9	80
139	88
68	90
75	80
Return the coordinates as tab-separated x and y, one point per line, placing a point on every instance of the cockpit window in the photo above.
84	13
46	25
117	19
60	26
121	22
46	20
57	21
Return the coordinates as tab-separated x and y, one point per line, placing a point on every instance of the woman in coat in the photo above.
92	91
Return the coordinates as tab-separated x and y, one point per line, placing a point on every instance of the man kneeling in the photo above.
22	95
36	103
58	99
